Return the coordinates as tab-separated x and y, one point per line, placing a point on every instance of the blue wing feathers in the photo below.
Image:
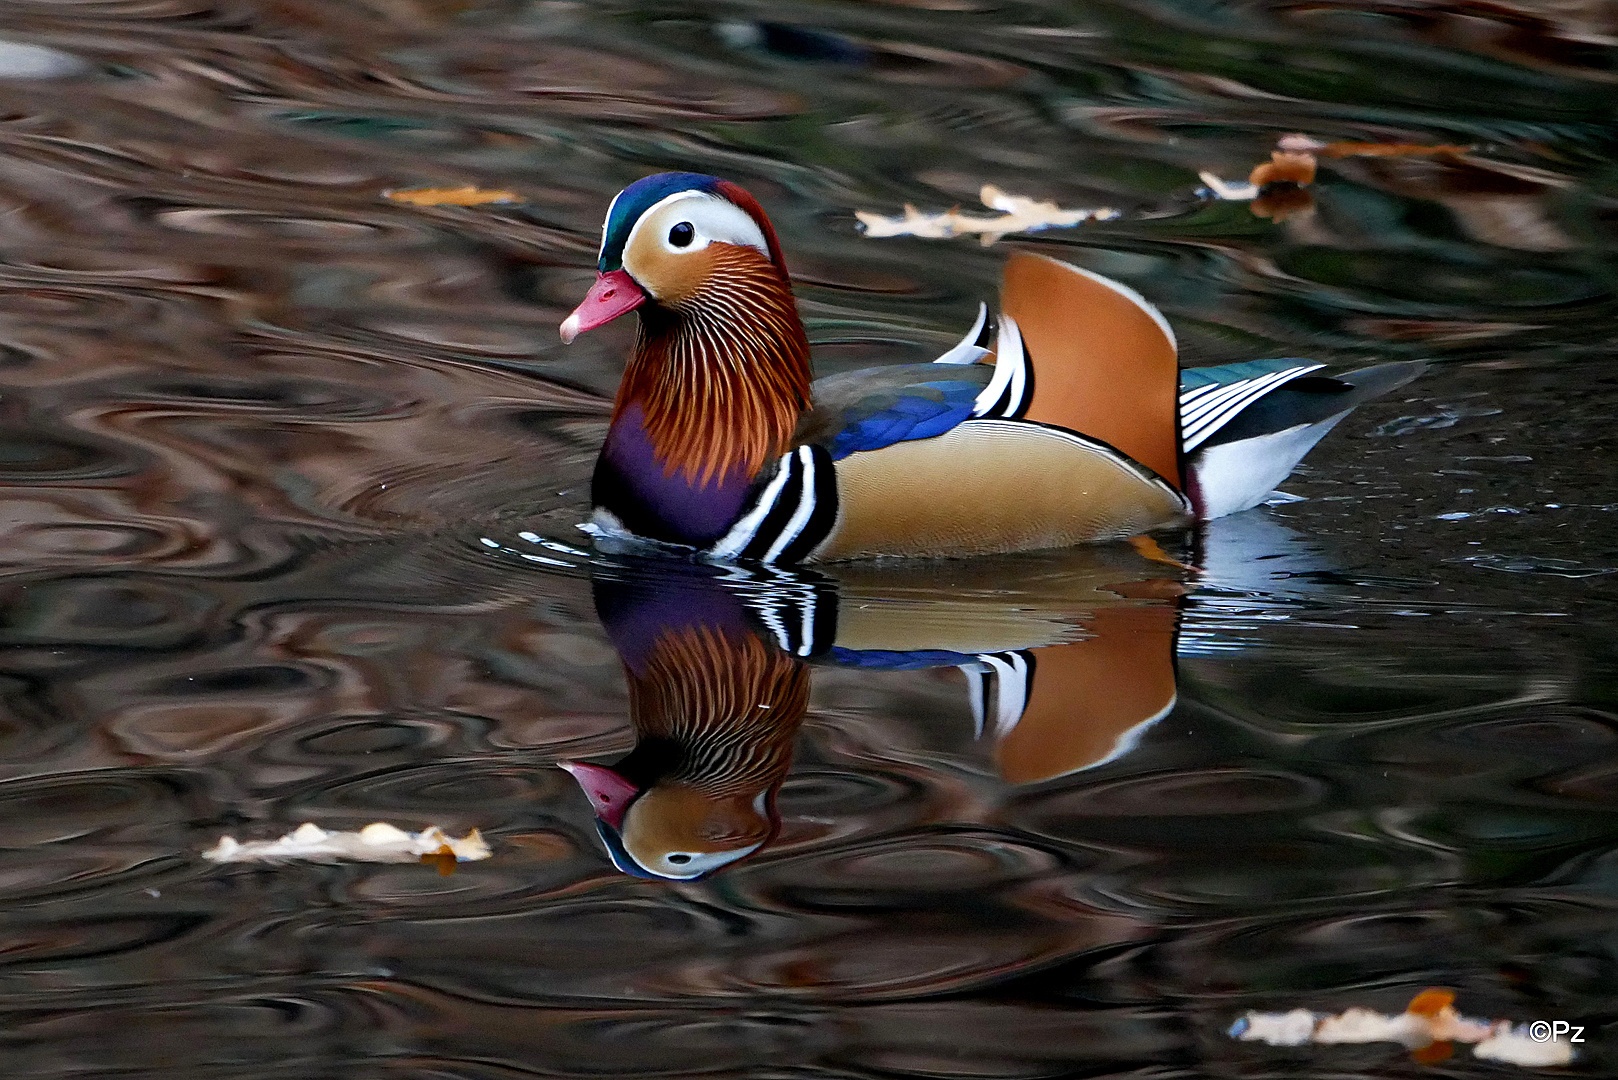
868	410
910	419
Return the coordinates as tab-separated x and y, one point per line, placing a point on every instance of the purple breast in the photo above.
632	482
638	614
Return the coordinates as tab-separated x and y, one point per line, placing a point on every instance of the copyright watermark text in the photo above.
1555	1031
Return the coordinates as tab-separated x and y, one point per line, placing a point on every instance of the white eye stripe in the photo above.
710	217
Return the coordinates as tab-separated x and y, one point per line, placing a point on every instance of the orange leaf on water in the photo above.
461	196
1281	202
1430	1002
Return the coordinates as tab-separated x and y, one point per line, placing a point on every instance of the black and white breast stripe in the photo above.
1206	409
998	686
801	617
792	514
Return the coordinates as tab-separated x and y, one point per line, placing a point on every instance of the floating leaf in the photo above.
378	842
1429	1027
1284	167
461	196
1017	214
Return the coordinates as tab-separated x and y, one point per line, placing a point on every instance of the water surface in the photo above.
257	422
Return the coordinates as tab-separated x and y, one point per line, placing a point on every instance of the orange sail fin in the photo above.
1105	362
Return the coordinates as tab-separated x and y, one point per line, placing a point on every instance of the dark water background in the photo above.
255	420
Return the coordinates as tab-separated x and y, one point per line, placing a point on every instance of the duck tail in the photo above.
1264	421
1082	352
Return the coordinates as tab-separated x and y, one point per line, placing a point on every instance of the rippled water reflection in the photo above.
257	423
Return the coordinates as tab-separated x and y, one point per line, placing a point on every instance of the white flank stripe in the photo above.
1239	392
806	507
1019	380
770	616
1225	393
1188	396
741	534
1200	431
1002	672
1011	689
966	352
1013	696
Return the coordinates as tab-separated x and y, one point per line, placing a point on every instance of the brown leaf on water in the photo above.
443	858
1280	201
1367	149
1433	1053
461	196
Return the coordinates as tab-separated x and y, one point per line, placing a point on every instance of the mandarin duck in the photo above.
1065	420
1067	656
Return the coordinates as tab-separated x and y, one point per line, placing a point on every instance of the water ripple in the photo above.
290	474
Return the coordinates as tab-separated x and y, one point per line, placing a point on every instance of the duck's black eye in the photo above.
681	860
682	234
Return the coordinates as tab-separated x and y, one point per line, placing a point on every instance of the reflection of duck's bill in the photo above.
609	793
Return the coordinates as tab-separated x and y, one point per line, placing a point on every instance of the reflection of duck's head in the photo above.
716	709
674	830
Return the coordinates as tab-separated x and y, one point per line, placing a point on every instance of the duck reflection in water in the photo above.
716	708
1067	658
